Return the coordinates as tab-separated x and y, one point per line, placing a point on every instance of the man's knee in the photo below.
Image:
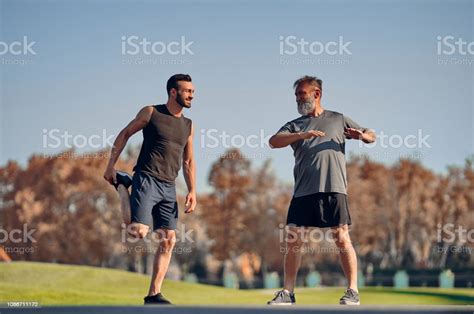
341	235
295	236
138	230
167	238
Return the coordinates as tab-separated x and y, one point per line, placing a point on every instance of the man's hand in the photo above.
190	202
352	133
110	175
312	133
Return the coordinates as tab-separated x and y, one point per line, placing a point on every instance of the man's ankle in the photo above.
153	293
354	288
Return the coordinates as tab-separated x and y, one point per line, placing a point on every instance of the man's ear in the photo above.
318	93
173	92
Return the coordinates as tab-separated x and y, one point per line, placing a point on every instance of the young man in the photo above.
167	140
320	194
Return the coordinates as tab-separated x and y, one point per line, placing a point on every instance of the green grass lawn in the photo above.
52	284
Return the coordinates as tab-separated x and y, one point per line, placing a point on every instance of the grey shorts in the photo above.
153	202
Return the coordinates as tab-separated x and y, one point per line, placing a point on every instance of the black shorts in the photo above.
319	210
153	199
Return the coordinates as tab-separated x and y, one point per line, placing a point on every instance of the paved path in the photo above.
241	309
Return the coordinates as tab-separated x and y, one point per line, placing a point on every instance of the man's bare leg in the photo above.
135	229
347	255
162	259
138	230
293	256
125	204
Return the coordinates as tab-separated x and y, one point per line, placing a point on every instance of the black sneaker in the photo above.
283	297
350	297
124	179
156	299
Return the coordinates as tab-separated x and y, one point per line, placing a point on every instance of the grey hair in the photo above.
311	80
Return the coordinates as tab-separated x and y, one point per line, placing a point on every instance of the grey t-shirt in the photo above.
320	164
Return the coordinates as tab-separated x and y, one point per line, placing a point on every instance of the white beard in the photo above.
306	108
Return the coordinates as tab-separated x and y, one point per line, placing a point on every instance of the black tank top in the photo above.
164	139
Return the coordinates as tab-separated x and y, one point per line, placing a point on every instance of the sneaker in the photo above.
350	297
283	297
156	299
124	179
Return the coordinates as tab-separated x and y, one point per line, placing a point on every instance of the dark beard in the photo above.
181	102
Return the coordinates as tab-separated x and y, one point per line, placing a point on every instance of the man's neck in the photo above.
318	110
174	108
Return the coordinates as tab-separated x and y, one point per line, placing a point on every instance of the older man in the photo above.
317	138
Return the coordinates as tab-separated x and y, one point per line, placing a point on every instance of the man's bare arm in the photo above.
189	172
280	140
367	137
140	121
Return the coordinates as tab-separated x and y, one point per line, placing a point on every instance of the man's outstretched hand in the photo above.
353	133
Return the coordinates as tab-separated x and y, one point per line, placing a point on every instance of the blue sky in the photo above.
394	80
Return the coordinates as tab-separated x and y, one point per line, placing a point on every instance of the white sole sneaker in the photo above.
281	304
349	303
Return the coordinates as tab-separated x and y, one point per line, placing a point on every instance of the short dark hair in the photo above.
311	80
173	81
